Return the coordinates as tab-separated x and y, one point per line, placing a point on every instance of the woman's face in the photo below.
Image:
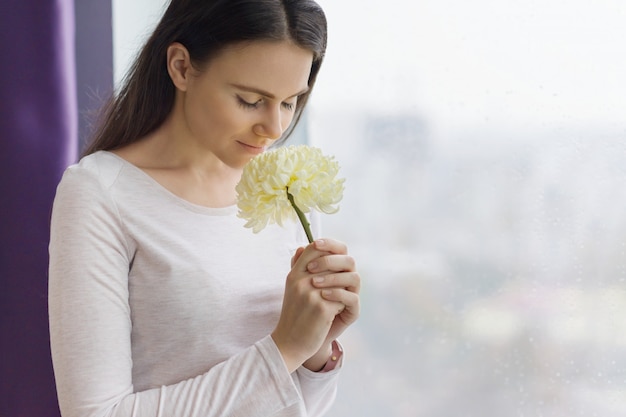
245	98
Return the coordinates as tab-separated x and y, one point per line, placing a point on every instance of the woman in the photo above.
161	302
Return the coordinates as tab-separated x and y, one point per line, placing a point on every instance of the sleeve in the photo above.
319	390
90	327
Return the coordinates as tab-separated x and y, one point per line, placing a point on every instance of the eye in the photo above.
289	106
248	105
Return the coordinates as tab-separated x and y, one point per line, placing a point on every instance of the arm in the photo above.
90	324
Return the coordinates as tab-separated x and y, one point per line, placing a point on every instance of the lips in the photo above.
255	149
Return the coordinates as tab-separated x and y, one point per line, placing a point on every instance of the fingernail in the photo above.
326	293
318	280
312	265
320	242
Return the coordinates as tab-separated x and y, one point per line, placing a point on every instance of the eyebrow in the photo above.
265	93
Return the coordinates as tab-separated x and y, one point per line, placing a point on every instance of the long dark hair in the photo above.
204	27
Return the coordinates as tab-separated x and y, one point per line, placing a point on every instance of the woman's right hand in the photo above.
307	317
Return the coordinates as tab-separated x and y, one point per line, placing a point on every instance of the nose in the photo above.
271	125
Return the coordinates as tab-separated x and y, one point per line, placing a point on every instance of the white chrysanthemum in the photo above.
309	176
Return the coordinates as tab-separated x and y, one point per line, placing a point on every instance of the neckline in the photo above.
227	210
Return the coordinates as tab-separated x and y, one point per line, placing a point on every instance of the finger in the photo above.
332	263
350	300
335	308
331	245
296	256
351	281
317	249
309	254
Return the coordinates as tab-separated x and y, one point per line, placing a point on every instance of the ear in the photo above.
179	65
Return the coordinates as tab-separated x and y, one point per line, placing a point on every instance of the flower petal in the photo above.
305	171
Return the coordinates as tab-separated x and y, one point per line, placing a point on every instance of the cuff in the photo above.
336	357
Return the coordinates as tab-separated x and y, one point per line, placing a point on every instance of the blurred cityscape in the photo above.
493	264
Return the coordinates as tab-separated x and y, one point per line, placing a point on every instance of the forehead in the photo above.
279	67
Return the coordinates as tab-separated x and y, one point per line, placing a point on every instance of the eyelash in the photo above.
243	103
251	106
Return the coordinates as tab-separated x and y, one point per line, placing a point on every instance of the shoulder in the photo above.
101	167
88	186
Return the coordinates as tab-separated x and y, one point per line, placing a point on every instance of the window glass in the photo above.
133	21
484	146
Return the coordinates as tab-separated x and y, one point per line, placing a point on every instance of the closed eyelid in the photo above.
266	94
289	106
248	104
253	104
248	98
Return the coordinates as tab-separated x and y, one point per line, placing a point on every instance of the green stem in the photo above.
302	217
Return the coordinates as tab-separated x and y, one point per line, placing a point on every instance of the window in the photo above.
484	149
483	146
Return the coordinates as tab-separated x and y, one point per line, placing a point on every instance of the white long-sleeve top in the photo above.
159	307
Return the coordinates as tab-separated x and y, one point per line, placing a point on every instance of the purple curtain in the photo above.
38	139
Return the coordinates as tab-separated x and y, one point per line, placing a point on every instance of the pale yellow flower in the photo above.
301	171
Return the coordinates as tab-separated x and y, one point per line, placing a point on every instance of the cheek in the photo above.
197	112
217	118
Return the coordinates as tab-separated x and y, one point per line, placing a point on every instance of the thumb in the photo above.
296	256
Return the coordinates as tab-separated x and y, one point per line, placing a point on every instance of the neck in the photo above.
193	174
